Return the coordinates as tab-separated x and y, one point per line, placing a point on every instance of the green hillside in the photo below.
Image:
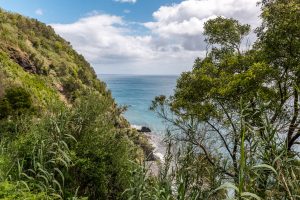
34	56
233	122
62	136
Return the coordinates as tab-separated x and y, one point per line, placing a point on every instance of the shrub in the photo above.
15	101
18	98
5	108
71	152
1	85
71	86
101	166
17	191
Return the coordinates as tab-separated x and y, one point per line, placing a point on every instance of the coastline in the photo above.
159	149
155	140
158	145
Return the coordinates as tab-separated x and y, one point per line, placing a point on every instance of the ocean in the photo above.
137	92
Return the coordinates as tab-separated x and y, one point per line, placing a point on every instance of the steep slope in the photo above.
32	55
62	135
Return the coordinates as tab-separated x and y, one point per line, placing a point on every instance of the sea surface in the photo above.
137	92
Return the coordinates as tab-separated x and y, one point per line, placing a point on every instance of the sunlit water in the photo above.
137	92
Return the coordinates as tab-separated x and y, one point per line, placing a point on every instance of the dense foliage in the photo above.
15	101
235	117
33	56
61	134
69	153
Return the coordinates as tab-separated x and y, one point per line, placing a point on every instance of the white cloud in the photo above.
126	11
175	38
126	1
39	11
245	10
108	43
103	36
184	21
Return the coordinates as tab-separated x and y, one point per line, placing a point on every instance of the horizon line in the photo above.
141	74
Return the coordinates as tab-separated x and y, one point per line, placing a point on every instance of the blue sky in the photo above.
135	36
67	11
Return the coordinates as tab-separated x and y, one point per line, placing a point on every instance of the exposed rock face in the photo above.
145	129
22	59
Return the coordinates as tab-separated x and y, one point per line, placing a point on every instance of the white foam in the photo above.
156	141
160	156
159	146
137	127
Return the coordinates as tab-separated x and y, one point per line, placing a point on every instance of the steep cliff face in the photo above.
32	55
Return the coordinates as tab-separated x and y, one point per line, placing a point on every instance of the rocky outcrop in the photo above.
144	129
22	59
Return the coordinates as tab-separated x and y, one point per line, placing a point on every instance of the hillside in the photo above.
232	123
61	133
34	56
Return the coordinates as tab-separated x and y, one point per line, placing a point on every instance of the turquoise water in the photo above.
137	92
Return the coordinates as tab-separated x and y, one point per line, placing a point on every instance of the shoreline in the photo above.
158	145
154	167
155	140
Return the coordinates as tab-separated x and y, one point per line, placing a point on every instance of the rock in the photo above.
145	129
22	59
150	156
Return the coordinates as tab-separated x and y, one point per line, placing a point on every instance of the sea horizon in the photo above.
137	92
140	74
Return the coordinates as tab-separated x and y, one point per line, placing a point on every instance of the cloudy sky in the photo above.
136	36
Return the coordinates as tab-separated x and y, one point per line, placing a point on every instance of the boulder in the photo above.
144	129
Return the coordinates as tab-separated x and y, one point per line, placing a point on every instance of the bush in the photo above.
5	108
103	154
15	101
71	86
17	191
71	152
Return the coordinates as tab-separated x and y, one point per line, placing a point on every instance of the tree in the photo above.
210	93
279	42
228	33
226	105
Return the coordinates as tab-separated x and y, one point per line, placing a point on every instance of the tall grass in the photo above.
265	169
69	152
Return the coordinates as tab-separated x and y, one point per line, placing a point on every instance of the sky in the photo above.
136	36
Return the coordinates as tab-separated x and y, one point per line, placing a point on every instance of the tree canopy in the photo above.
239	106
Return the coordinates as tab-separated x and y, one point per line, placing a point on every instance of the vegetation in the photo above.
15	101
72	152
235	123
61	134
235	116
